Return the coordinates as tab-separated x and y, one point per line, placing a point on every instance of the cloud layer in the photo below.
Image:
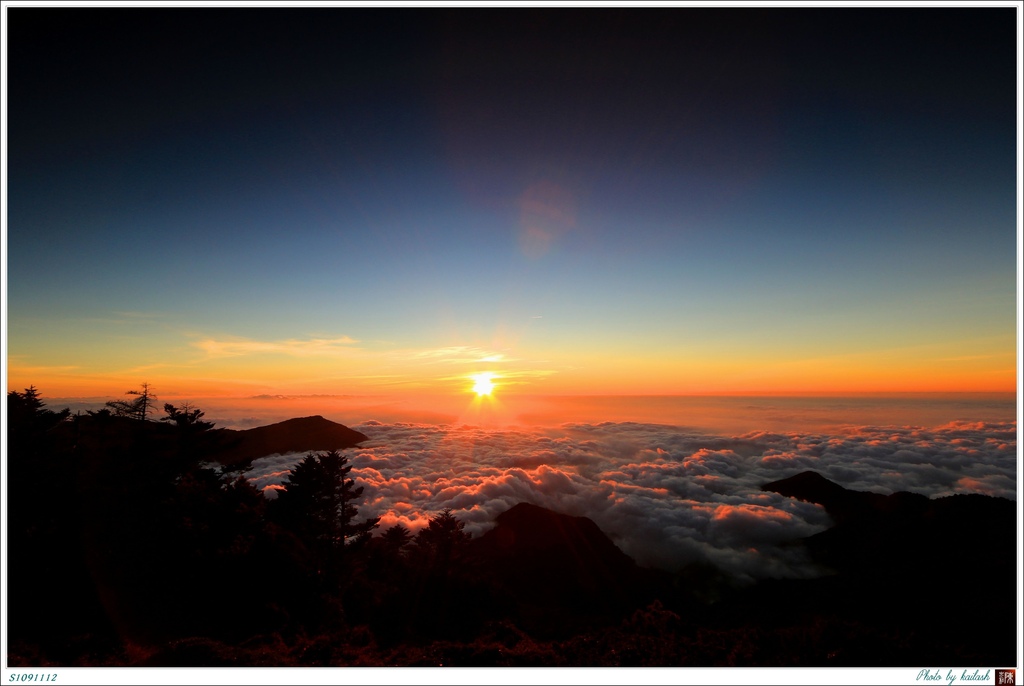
667	496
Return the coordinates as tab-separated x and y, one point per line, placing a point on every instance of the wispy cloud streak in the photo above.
293	346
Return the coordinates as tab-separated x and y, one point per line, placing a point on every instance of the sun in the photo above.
482	383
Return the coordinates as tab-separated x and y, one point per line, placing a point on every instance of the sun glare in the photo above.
482	383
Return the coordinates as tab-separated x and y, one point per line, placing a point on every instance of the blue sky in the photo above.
672	200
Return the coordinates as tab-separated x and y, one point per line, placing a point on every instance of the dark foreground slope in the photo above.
940	571
151	558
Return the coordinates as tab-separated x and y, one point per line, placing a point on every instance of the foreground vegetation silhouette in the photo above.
130	544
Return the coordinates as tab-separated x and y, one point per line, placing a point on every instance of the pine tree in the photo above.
395	538
28	419
442	543
318	504
186	417
139	408
29	411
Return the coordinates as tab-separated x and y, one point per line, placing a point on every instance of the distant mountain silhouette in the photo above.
292	435
845	505
909	544
528	535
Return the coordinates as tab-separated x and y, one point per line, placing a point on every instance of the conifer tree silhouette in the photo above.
318	504
186	416
442	543
28	419
140	408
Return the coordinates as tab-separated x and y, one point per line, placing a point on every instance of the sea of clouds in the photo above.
667	496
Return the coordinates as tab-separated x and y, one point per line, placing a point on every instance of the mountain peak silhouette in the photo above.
525	528
292	435
886	536
843	504
554	563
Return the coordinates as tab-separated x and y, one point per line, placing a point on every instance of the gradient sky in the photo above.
649	201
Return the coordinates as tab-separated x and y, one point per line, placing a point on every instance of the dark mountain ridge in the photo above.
569	553
293	435
903	528
845	505
562	572
228	447
954	514
908	562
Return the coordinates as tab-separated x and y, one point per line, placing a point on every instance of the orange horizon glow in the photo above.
115	386
436	381
570	366
729	413
635	378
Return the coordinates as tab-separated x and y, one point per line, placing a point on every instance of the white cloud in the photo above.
665	495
